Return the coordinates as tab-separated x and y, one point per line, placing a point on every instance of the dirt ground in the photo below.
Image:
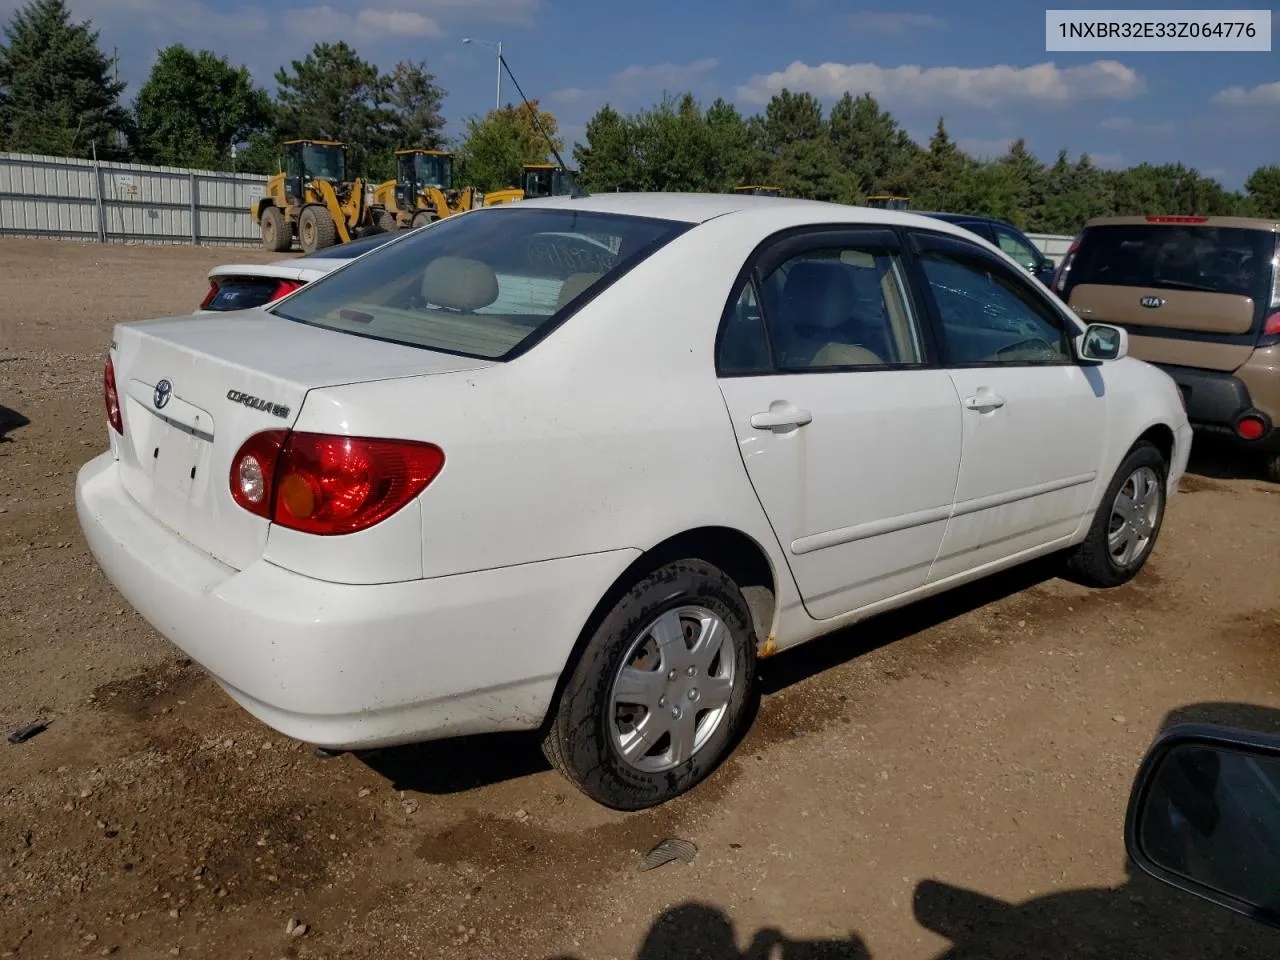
948	781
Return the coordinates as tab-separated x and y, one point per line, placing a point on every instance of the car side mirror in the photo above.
1204	816
1101	342
1045	270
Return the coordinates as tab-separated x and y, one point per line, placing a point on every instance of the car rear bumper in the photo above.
1216	403
351	666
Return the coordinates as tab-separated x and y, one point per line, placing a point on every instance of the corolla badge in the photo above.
164	390
1153	302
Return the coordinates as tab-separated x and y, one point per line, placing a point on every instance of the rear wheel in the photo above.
1127	523
386	220
422	218
316	229
661	691
276	235
1272	467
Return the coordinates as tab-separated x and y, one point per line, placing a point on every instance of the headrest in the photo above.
818	293
573	286
459	283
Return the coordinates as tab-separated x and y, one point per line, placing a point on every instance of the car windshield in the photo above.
324	162
1228	260
480	284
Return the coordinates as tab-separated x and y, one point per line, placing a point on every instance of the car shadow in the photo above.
10	420
1139	920
458	765
823	653
1216	459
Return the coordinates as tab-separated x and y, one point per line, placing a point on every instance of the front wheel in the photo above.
1272	467
316	229
1127	523
276	234
421	219
661	691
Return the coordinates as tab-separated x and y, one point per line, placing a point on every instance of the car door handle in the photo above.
785	417
984	402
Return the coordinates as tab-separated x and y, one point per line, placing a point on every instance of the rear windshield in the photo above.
480	284
1211	259
243	293
349	251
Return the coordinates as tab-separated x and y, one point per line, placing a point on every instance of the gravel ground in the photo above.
946	781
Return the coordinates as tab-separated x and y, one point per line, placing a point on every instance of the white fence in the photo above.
118	202
1053	247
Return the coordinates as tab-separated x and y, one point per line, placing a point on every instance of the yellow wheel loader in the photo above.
536	180
312	199
422	191
885	202
758	191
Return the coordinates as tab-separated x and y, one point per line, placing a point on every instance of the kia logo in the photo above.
1153	302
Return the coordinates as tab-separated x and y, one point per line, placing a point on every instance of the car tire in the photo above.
1271	466
421	219
316	229
612	751
1125	528
276	235
386	222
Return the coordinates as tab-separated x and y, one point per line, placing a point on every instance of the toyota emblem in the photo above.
164	389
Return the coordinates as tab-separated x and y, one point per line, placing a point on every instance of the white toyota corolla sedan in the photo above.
574	464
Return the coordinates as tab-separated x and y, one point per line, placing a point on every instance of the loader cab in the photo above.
417	169
307	160
545	180
889	203
758	191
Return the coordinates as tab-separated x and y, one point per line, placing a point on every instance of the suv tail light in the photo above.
112	397
208	297
1060	275
1275	282
330	485
284	288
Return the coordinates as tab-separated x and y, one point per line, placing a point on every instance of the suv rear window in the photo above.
1227	260
480	284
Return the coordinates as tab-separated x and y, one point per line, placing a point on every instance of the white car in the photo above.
243	286
574	464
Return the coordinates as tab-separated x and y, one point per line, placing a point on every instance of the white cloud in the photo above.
172	16
870	21
663	76
569	94
493	11
1263	95
326	23
1128	125
1108	161
987	87
981	149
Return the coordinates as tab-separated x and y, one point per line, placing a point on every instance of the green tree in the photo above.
194	106
496	146
417	101
941	172
1263	187
871	145
1022	203
58	95
261	154
333	94
607	159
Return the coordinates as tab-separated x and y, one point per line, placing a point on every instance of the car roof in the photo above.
1175	220
701	207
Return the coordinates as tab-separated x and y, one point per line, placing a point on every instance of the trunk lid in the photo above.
192	390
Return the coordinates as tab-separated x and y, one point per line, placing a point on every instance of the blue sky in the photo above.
982	64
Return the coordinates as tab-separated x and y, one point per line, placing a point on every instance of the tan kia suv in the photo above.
1200	297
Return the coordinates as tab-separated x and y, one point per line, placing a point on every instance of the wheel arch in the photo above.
739	555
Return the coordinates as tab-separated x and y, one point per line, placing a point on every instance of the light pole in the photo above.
497	47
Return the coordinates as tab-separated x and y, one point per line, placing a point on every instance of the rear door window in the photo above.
1228	260
481	284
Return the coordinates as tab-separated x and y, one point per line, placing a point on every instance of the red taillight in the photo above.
1176	219
253	471
112	397
208	297
284	288
330	485
1250	427
1060	275
1272	327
